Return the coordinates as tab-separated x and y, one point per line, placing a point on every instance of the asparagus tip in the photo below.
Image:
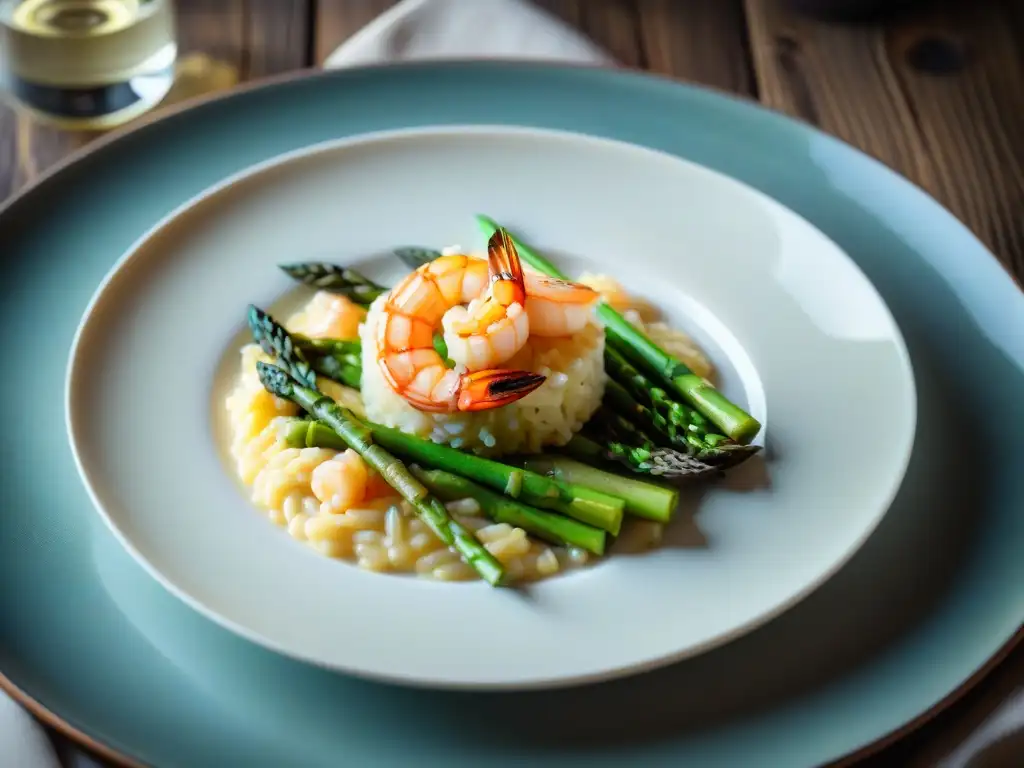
674	464
728	456
275	380
415	257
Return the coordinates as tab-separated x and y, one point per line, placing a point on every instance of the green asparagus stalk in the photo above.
727	416
622	403
336	359
632	446
277	342
642	424
580	503
415	257
351	347
647	500
545	525
358	437
612	425
630	439
304	357
675	419
330	277
584	504
664	463
641	499
723	413
301	432
636	452
339	370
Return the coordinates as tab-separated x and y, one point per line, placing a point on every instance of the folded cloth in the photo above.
447	29
23	744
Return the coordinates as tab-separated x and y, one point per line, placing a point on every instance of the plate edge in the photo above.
231	182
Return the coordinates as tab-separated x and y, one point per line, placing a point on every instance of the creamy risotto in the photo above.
520	393
369	524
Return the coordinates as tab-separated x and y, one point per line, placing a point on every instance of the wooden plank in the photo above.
278	36
839	78
258	37
29	149
337	21
703	41
961	72
613	24
248	38
214	27
699	40
934	94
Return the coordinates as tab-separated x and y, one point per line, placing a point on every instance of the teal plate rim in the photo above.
589	76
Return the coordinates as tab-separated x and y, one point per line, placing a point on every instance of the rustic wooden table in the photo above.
937	93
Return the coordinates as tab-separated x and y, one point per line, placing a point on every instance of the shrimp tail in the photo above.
482	390
506	269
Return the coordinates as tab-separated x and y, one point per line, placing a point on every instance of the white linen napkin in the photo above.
431	29
23	743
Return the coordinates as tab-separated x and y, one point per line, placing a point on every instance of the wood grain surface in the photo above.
935	91
337	21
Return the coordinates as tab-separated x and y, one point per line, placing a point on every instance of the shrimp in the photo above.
405	336
495	326
340	482
557	307
553	307
377	487
333	317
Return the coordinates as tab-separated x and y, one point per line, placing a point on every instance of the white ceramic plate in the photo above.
790	322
